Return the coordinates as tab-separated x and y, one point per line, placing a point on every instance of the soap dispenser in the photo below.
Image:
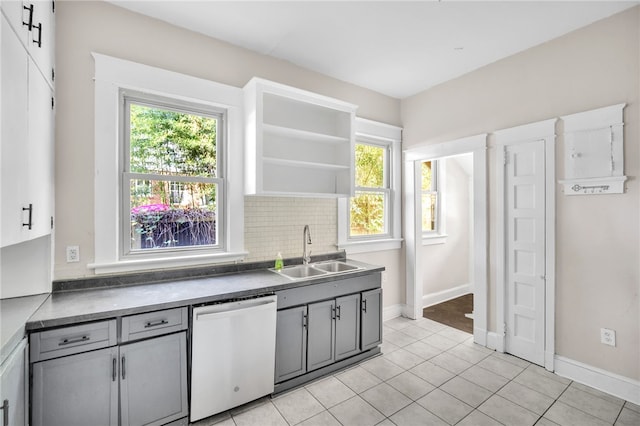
279	262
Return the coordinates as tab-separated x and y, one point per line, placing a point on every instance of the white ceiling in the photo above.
397	48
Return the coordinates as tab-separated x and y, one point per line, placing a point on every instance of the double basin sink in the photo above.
296	272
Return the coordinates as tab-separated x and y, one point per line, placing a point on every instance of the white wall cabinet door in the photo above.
26	145
14	89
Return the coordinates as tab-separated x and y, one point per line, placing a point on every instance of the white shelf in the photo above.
298	143
304	164
289	132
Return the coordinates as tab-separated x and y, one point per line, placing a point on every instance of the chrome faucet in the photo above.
306	239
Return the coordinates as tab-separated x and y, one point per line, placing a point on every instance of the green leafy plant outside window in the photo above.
172	163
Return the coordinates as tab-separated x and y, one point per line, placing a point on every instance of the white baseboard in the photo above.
393	311
605	381
495	341
443	296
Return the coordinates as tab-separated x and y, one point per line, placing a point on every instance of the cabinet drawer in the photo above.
150	324
71	340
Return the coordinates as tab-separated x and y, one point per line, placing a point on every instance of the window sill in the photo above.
165	262
353	247
432	240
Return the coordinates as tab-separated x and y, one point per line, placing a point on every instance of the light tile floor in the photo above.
431	374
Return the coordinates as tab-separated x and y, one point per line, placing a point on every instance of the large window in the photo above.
369	208
172	175
168	169
370	220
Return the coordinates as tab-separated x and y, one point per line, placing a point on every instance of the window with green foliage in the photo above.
430	197
172	180
369	208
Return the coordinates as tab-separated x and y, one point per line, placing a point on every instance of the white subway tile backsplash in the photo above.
275	224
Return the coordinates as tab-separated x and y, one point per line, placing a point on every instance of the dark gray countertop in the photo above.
14	313
65	308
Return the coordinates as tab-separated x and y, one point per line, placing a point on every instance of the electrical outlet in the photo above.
608	337
73	254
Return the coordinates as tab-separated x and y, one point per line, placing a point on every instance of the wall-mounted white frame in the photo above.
477	145
297	143
542	130
594	151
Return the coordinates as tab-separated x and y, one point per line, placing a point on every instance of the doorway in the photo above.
413	158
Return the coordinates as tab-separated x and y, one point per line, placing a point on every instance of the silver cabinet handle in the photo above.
364	305
150	324
114	374
338	311
72	341
123	369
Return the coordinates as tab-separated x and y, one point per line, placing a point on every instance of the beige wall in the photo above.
83	27
598	236
446	266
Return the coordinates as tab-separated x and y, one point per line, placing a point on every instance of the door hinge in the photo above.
51	222
52	103
53	74
506	157
504	329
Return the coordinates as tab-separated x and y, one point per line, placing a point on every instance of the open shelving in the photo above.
298	143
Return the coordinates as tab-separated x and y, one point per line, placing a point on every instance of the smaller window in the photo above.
369	208
430	198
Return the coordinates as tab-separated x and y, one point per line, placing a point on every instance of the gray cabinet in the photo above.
371	318
79	389
80	376
320	334
311	335
291	343
153	378
13	390
347	322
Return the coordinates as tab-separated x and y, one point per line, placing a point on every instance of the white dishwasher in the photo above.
233	354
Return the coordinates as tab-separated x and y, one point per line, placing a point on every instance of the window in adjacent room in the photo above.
172	176
430	198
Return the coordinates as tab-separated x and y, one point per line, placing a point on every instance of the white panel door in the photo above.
525	250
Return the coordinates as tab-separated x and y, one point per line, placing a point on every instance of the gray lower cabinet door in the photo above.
320	334
371	318
77	390
153	380
347	326
13	387
291	343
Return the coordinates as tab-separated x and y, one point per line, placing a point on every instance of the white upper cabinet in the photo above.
33	23
26	141
298	143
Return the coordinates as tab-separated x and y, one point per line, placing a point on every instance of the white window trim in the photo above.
112	75
391	136
439	235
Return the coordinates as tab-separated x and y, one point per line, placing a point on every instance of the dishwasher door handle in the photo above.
234	308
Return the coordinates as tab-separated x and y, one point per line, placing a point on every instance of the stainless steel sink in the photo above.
334	267
300	271
295	272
